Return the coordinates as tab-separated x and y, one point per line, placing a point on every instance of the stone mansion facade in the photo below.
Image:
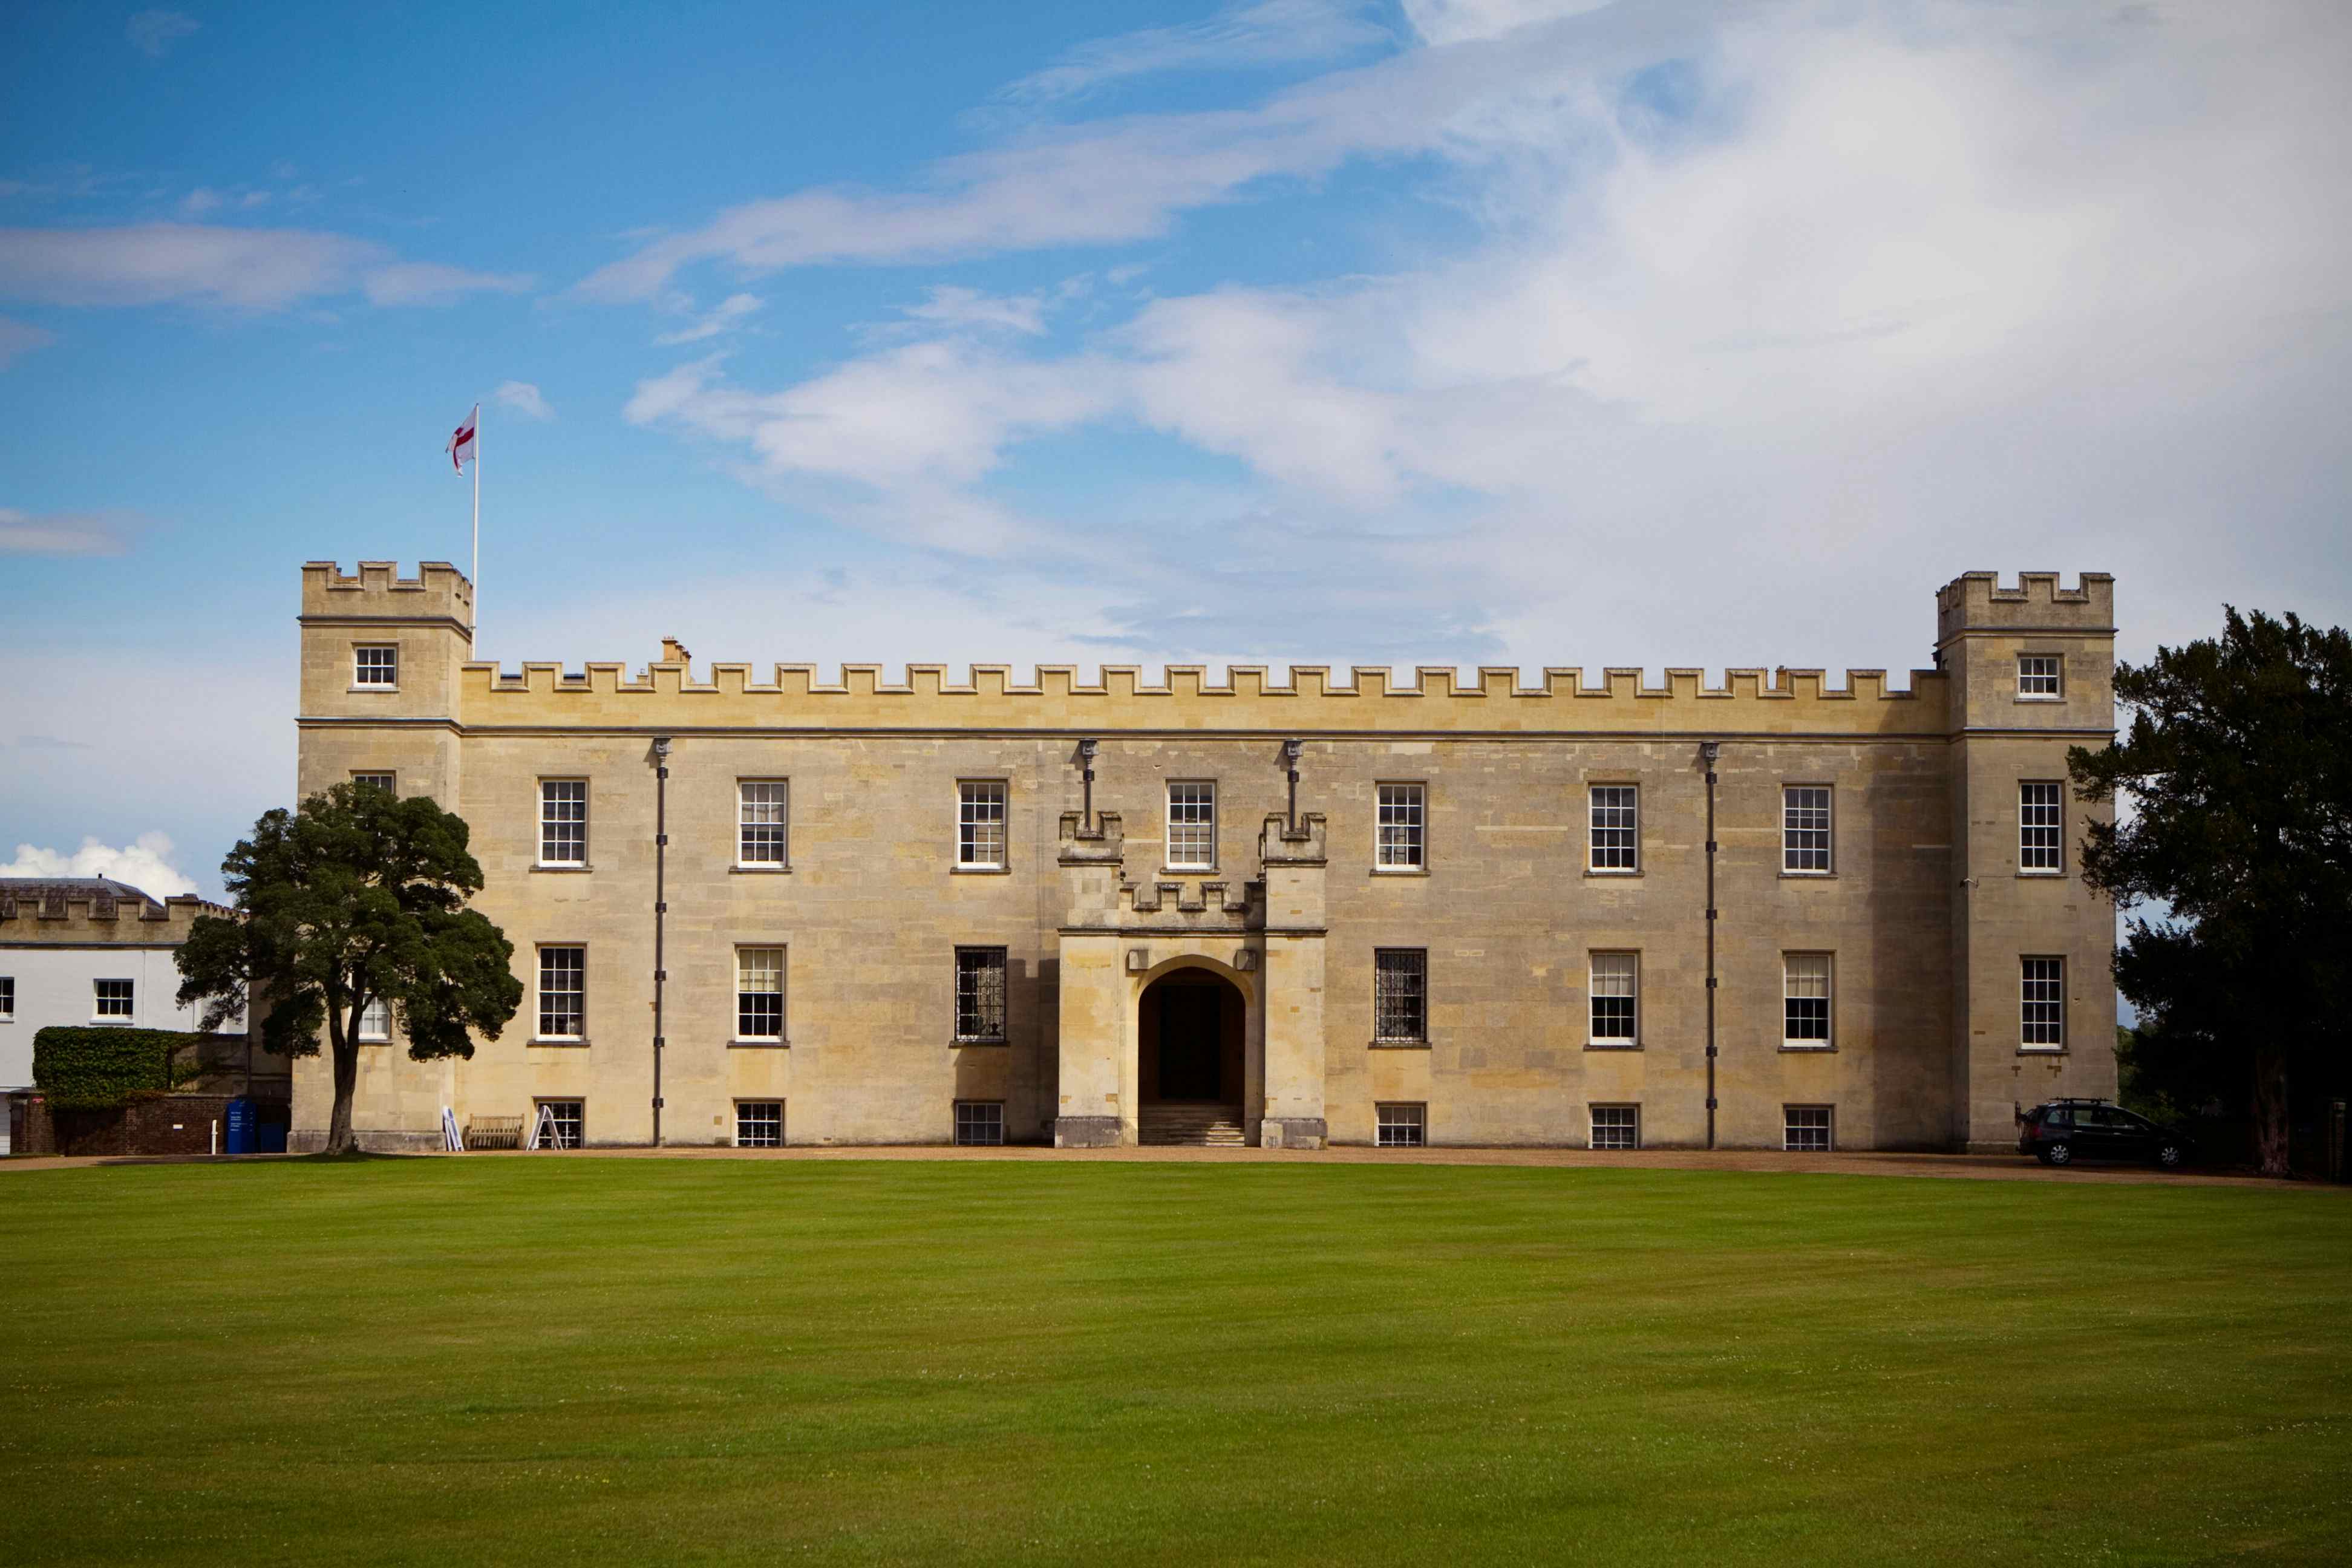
761	906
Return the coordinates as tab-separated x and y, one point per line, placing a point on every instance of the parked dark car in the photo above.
2061	1132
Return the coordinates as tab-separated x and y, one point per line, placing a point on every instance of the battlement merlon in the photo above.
1976	602
76	919
377	594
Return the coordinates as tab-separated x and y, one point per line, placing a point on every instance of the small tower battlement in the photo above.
438	591
1976	602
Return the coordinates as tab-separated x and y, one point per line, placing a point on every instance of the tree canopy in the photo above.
358	897
2236	773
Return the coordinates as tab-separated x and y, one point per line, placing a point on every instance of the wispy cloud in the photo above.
246	269
730	311
145	863
952	308
20	338
152	33
523	398
59	534
1268	33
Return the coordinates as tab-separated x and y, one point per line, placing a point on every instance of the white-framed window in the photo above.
112	1001
1399	847
1805	830
1616	1127
980	1121
1400	994
763	820
1191	826
381	781
376	665
2038	676
563	822
980	996
1401	1126
1616	828
1805	1129
1616	998
759	993
7	997
2041	985
1805	1000
980	823
375	1020
568	1120
562	992
759	1125
2041	827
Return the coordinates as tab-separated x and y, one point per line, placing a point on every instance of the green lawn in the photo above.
571	1359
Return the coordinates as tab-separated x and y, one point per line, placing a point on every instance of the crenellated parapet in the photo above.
71	918
377	592
1209	904
1976	602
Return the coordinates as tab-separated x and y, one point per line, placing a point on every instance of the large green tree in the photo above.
2236	816
358	897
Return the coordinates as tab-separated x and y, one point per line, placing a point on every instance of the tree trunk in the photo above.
340	1137
2270	1109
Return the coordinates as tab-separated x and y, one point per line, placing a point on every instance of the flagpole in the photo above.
474	631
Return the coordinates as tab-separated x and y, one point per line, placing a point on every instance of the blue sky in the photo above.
1495	332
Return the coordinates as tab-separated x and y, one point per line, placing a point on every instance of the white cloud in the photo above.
145	863
524	399
59	533
1270	32
245	268
730	311
951	309
198	202
20	338
152	33
1459	21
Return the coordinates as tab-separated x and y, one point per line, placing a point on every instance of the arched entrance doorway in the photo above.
1190	1031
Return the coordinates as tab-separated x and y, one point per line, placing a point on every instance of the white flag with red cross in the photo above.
461	443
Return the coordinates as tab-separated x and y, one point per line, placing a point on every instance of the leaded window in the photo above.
1401	1126
2037	675
1805	1129
563	991
980	824
759	1123
762	818
1805	830
376	665
563	822
759	993
980	1121
2042	986
1616	827
1805	999
1616	1127
979	994
2039	828
1400	994
111	999
1616	980
1400	843
1192	826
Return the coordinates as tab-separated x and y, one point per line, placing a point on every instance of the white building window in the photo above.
1401	1126
759	1123
1805	830
762	817
567	1122
373	780
1616	983
980	824
759	993
1399	847
2040	828
980	1121
1616	1127
1192	826
563	822
1400	996
1805	1000
2037	676
980	996
562	992
112	1001
1616	828
375	1020
2042	983
1805	1129
376	665
7	996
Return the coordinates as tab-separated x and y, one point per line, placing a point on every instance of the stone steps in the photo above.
1192	1126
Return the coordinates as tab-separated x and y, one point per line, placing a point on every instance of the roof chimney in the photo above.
674	651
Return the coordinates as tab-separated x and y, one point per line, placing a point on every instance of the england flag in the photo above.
461	444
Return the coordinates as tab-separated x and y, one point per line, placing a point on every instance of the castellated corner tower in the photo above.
1789	909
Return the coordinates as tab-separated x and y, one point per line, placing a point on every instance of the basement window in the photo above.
559	1123
980	1121
1401	1126
1616	1127
1805	1129
759	1125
